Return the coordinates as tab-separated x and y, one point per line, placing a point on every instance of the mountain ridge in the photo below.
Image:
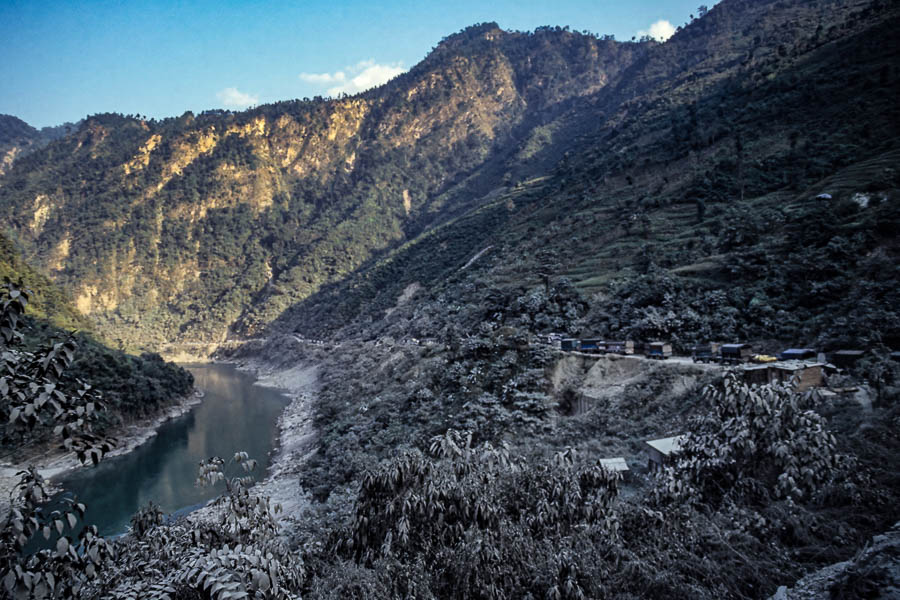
210	227
379	162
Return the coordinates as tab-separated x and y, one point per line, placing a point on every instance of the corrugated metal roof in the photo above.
614	464
794	365
667	446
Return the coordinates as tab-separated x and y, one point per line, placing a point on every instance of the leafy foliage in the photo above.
31	396
754	443
478	523
236	555
58	572
133	387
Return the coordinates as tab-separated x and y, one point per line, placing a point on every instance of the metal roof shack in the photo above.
660	451
756	374
617	464
847	358
808	375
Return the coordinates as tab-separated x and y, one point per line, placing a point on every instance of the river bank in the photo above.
296	435
293	374
54	463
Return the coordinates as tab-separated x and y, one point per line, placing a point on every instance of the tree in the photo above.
755	442
32	396
484	524
236	554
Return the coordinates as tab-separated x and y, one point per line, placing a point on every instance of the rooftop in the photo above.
667	446
616	464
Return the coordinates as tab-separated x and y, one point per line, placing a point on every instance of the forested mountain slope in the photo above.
132	387
193	227
18	138
695	211
691	156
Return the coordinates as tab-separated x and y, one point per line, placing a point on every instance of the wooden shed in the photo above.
617	464
808	375
756	374
661	451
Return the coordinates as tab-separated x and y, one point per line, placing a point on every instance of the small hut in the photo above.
616	465
804	375
757	374
661	451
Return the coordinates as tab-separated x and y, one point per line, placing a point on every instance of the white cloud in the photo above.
323	78
362	76
660	31
233	98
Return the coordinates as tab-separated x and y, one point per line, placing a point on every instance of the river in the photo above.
235	415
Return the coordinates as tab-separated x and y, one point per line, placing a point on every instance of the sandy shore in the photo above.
127	439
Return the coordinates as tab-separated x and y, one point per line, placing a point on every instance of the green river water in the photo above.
235	415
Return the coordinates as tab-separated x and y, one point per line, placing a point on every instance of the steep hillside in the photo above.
694	212
18	138
567	155
197	227
48	302
133	387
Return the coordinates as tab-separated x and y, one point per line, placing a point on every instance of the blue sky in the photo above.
65	59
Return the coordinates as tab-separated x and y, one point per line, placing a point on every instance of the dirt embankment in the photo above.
607	381
610	405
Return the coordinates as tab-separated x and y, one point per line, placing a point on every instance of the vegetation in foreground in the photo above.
789	480
740	182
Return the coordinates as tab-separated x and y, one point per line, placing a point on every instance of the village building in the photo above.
804	375
661	451
617	464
